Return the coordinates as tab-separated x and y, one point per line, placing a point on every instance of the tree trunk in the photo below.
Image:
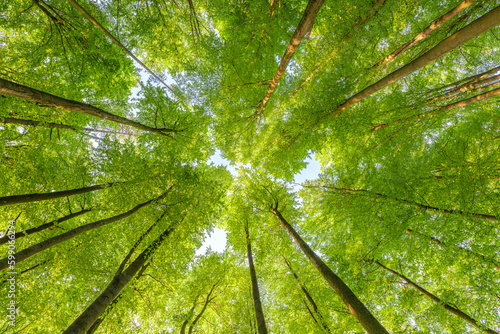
472	30
42	227
207	301
83	323
309	298
425	33
355	306
17	199
259	314
421	206
376	7
46	244
31	94
117	42
444	244
447	306
10	120
305	26
445	108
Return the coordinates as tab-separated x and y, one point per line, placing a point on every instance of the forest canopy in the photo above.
111	113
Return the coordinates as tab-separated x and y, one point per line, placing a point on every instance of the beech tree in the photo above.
113	115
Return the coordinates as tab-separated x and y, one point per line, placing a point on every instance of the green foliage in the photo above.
406	179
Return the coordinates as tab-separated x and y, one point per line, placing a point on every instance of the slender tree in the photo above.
435	299
355	306
259	313
31	94
36	197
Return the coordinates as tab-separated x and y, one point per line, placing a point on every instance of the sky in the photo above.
217	239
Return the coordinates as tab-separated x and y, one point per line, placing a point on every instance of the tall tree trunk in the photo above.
31	94
435	299
445	108
46	244
355	306
376	7
186	322
309	298
472	30
207	301
17	199
117	42
259	314
446	245
10	120
42	227
425	33
421	206
305	26
82	324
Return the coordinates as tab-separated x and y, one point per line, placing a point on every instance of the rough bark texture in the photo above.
355	306
83	323
472	30
42	227
117	42
305	26
31	94
446	306
426	32
259	314
46	244
17	199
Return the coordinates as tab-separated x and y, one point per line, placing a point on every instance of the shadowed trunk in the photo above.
16	199
46	244
305	26
309	298
421	206
31	94
83	323
117	42
259	314
42	227
425	33
472	30
355	306
435	299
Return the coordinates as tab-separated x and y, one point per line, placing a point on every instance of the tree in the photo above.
112	114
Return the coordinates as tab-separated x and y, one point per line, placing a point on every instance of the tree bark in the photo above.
36	197
355	306
421	206
444	244
117	42
425	33
31	94
83	323
435	299
376	7
207	301
10	120
259	314
309	298
42	227
46	244
472	30
305	26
